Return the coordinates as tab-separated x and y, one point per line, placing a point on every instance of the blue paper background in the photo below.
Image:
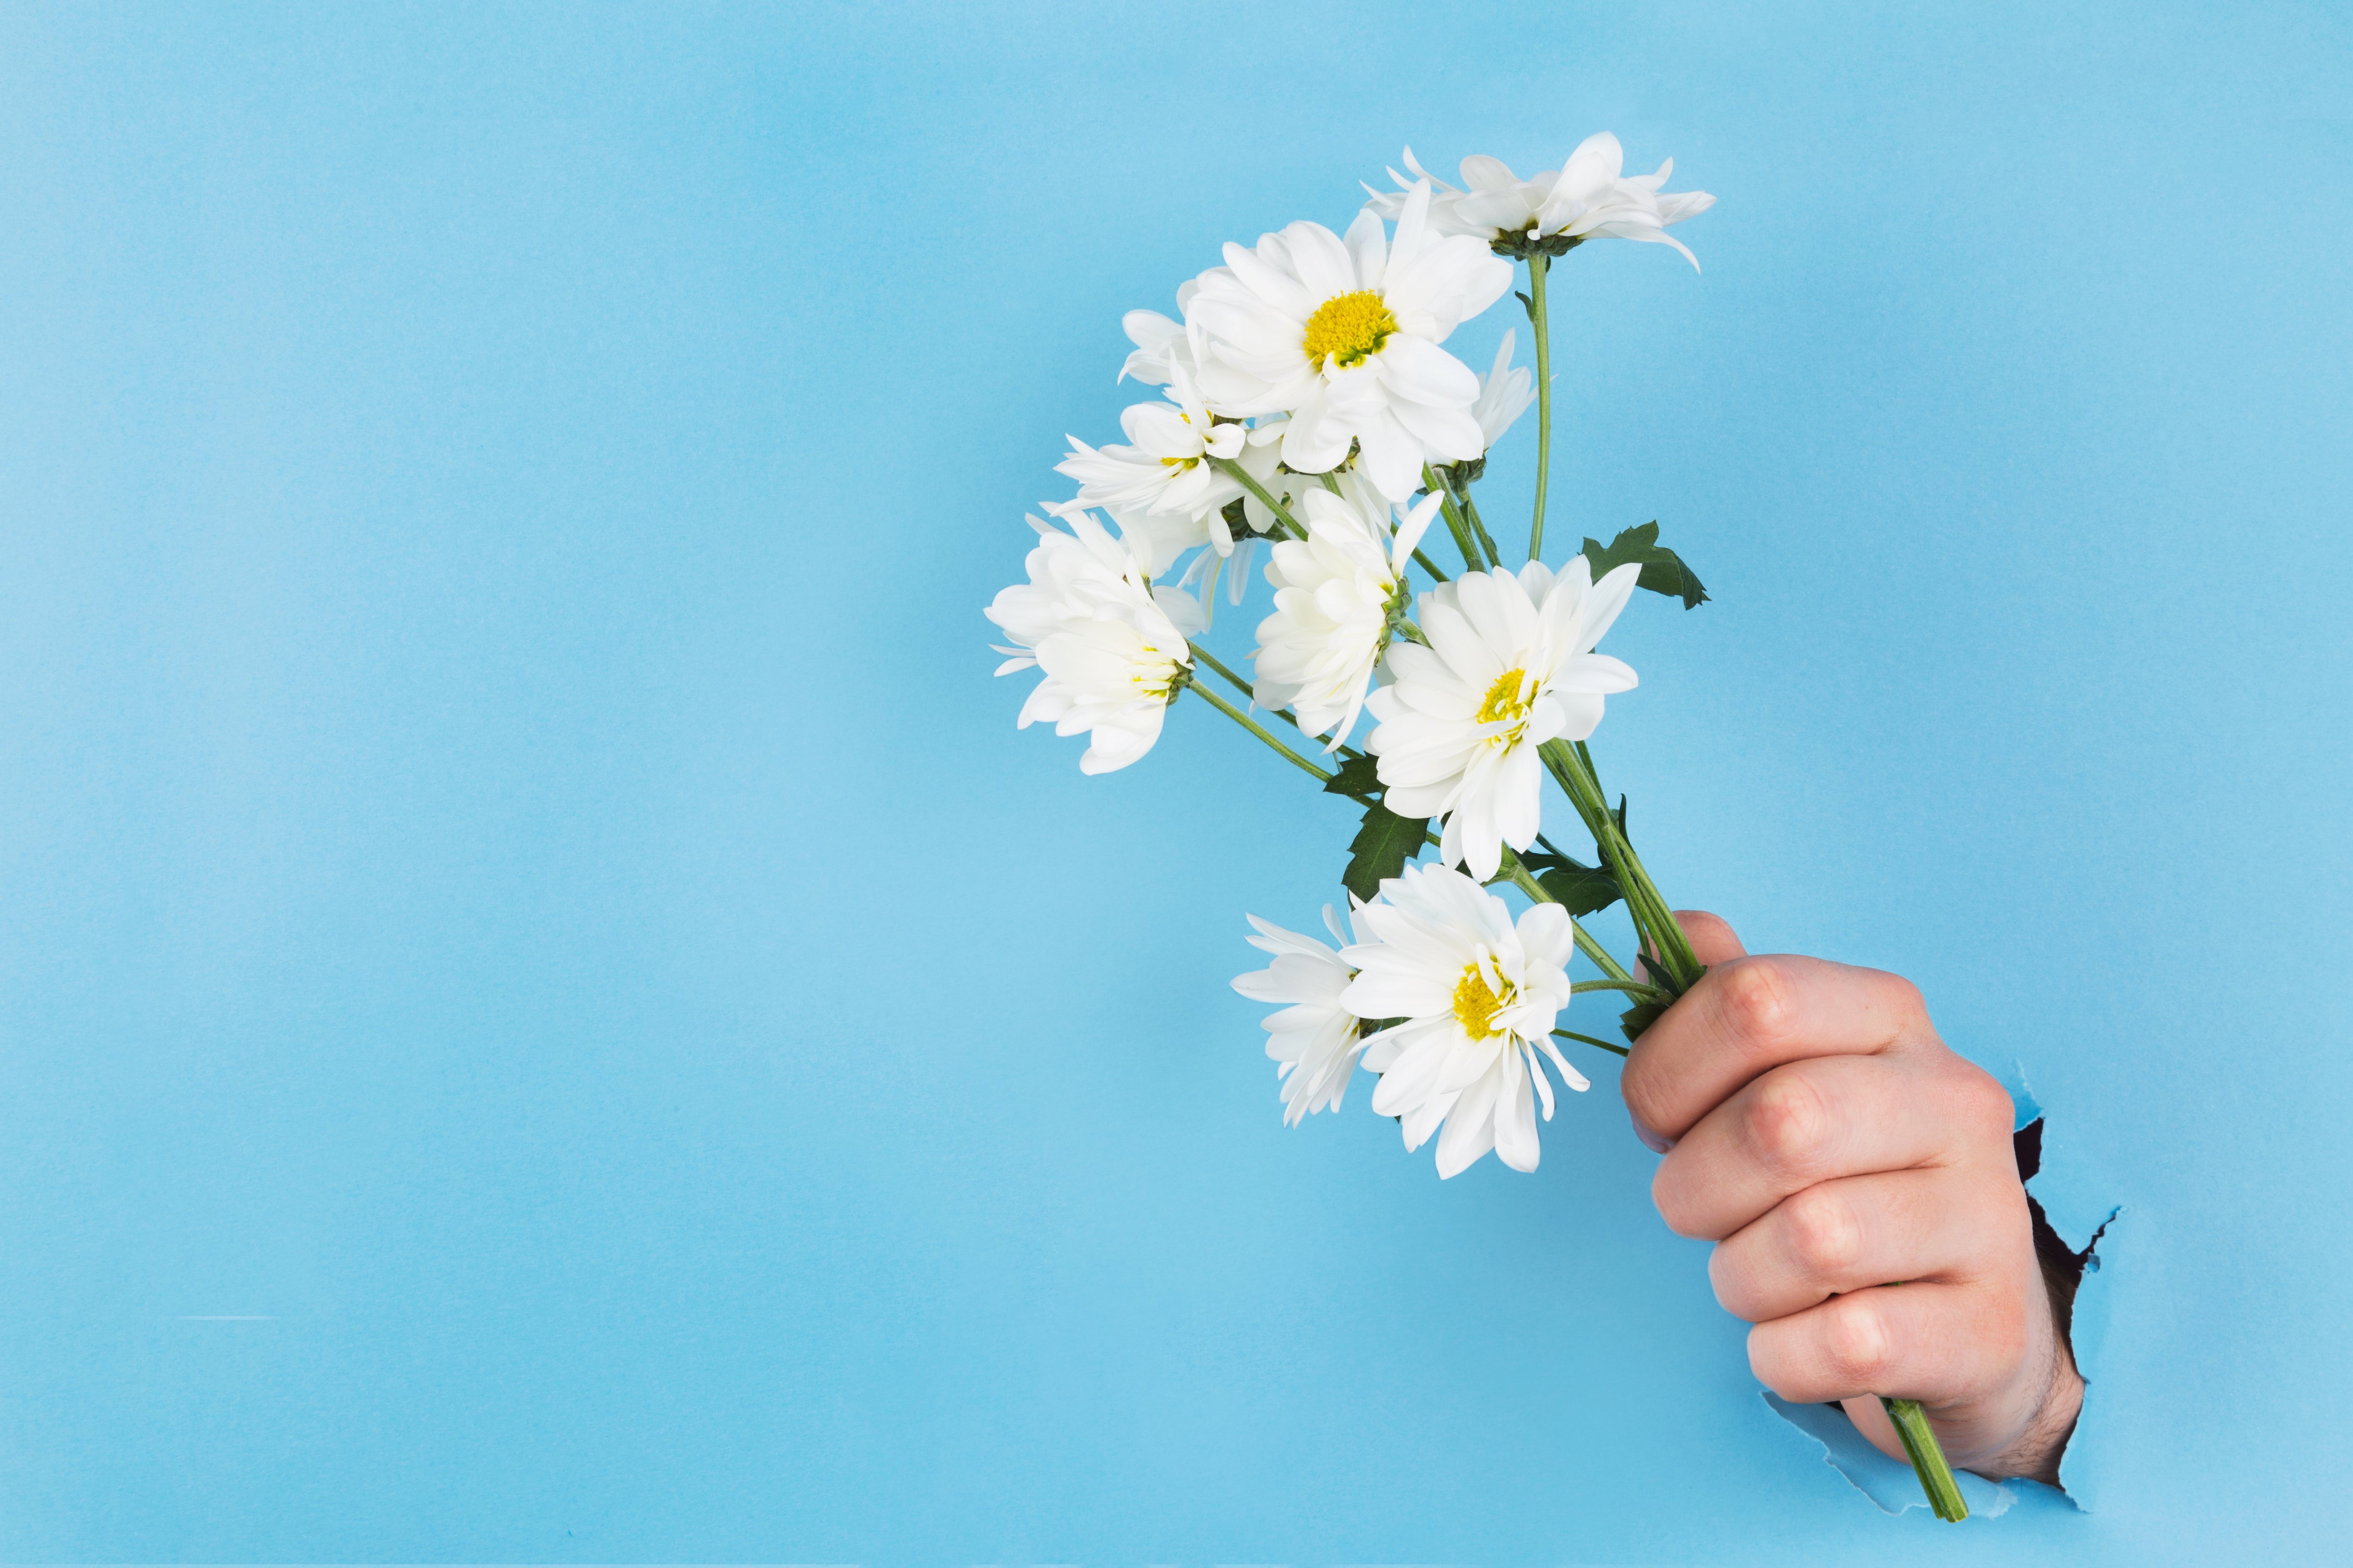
546	1013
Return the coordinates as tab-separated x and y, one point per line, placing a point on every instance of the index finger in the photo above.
1748	1015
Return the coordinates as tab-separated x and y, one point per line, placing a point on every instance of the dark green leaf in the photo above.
1664	571
1586	891
1524	300
1637	1019
1381	847
1358	779
1643	1015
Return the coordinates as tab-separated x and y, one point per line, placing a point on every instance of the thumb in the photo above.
1712	941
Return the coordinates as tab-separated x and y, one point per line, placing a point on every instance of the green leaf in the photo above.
1585	889
1381	847
1637	1019
1664	571
1643	1015
1358	779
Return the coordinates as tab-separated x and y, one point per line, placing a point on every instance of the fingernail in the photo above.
1650	1140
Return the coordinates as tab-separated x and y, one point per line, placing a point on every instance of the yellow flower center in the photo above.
1184	462
1476	1003
1348	329
1503	704
1163	677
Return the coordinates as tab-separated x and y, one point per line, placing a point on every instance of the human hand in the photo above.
1826	1140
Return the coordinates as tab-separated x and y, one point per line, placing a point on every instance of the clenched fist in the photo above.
1858	1180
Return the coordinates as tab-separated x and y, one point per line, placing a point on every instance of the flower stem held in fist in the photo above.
1832	1146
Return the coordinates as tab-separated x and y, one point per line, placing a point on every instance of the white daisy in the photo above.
1314	1039
1161	348
1478	996
1336	594
1343	336
1588	198
1505	393
1112	651
1157	539
1261	458
1167	472
1510	665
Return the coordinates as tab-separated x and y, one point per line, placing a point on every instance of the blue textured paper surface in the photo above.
1890	1483
547	1014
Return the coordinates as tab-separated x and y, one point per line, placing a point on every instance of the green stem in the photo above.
1539	323
1486	540
1236	681
1255	728
1654	920
1588	1040
1282	513
1470	557
1244	687
1634	988
1927	1459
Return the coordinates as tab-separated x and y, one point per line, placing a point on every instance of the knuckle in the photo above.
1910	998
1825	1236
1758	1003
1785	1122
1854	1340
1974	1104
1988	1104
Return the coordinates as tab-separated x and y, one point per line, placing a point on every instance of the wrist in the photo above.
2036	1453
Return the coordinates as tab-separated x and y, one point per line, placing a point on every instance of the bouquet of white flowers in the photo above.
1310	405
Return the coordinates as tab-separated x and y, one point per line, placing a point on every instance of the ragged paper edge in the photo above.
1888	1483
2081	1209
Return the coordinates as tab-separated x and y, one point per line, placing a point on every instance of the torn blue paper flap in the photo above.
2073	1199
2084	1464
1888	1482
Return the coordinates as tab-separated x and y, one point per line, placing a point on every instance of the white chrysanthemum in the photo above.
1161	348
1314	1037
1343	336
1588	198
1113	652
1505	393
1167	471
1261	458
1510	665
1478	996
1334	593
